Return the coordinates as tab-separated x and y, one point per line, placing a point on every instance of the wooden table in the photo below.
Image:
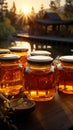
56	114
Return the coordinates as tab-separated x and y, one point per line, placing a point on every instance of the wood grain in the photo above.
56	114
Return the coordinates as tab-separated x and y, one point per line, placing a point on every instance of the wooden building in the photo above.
53	20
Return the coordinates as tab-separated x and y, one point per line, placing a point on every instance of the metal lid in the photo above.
3	51
40	52
68	59
18	49
9	57
40	59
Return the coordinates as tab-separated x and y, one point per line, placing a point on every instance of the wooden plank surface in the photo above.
47	38
56	114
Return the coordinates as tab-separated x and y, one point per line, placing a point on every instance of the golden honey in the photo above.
40	78
11	74
65	74
22	52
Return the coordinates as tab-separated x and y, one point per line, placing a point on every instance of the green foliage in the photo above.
5	121
41	11
12	15
68	9
54	4
3	9
6	29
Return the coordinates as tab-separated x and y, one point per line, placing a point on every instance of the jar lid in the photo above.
18	49
68	58
9	57
40	52
40	60
3	51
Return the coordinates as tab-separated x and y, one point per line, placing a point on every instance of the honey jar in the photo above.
65	74
39	78
22	52
11	74
40	52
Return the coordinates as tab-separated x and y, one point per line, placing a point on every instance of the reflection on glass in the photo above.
65	74
11	74
39	77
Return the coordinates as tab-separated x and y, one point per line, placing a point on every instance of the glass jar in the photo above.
22	52
40	52
65	74
40	78
11	74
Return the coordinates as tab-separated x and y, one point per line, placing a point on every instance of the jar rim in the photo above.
2	50
39	59
9	57
40	52
18	49
67	58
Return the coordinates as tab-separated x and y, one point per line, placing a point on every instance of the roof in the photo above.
51	18
51	22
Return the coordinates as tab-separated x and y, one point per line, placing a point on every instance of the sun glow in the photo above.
26	11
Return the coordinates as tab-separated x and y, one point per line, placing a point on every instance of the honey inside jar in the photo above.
65	75
11	74
22	52
39	78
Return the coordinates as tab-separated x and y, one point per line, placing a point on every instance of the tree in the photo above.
52	4
41	11
55	4
21	21
69	2
13	15
32	11
6	29
3	9
31	17
68	8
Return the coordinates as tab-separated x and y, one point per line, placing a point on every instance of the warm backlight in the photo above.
26	11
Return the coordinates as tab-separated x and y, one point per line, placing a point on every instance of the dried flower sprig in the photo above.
5	122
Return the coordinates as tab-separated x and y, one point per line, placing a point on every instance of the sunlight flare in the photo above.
26	11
